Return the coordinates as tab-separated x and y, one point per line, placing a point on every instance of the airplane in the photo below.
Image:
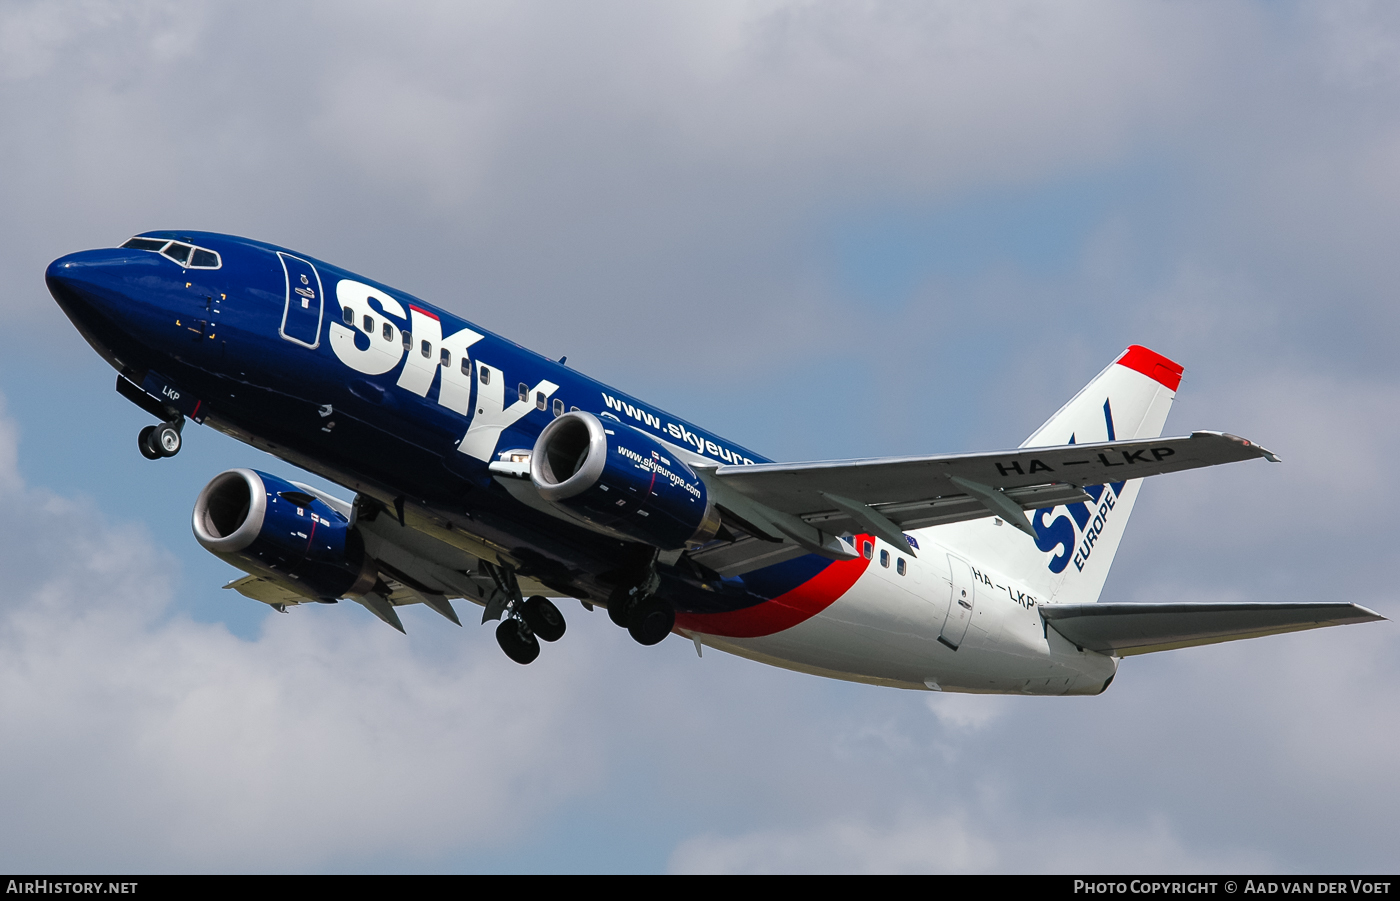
484	472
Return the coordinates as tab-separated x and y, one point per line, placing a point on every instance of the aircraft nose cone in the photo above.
71	278
59	276
89	281
96	289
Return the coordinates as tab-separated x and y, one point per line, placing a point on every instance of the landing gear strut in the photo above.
524	622
156	441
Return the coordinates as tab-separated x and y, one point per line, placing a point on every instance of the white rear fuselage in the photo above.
900	630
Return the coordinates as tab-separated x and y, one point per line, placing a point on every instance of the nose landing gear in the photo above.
156	441
162	439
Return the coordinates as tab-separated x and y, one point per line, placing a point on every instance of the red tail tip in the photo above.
1153	365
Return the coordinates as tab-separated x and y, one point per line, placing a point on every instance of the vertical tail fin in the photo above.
1075	545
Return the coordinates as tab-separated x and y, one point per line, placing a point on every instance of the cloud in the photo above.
671	195
136	739
940	845
950	844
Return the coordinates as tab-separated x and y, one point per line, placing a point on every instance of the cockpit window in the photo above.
186	255
178	252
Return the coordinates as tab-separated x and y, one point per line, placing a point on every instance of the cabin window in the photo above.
524	391
885	559
573	409
540	400
867	549
485	374
407	337
467	366
899	567
369	324
446	358
388	331
426	349
558	407
348	315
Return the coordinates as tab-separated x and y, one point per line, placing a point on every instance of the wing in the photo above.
418	562
1123	630
787	509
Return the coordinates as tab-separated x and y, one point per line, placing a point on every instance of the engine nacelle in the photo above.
269	527
621	481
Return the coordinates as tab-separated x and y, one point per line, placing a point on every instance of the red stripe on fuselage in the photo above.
784	611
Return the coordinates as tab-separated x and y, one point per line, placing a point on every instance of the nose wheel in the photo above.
157	441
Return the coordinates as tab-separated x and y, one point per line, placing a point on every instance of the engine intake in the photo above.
620	480
268	527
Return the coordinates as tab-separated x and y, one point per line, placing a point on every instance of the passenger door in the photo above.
305	310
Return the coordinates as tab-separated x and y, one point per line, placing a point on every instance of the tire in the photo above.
516	639
167	440
146	441
651	621
543	618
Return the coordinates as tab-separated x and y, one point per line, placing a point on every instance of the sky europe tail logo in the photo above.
1076	533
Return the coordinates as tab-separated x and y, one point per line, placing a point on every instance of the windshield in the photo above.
187	255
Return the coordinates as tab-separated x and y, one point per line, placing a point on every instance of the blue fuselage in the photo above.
373	389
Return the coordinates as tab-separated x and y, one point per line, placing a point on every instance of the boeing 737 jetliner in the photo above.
484	472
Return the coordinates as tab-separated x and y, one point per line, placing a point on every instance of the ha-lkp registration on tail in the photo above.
476	470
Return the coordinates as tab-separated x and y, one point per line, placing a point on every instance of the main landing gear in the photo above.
525	622
519	634
637	608
162	440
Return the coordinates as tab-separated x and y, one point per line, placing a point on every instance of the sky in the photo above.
822	230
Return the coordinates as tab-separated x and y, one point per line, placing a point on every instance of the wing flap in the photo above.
1124	630
745	555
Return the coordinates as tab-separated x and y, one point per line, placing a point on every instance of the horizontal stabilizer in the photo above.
1123	630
